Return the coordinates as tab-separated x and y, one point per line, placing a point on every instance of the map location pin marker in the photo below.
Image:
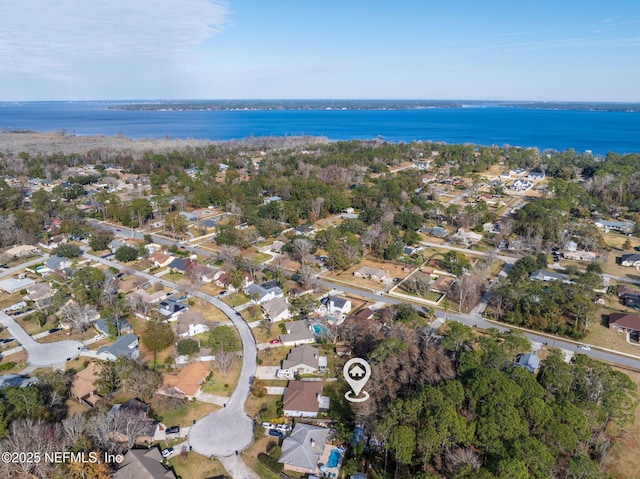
356	373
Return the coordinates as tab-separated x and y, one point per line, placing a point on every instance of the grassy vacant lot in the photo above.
20	360
220	385
194	466
273	356
191	411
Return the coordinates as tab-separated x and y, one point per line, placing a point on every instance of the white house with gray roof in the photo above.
305	359
303	448
298	332
276	309
124	347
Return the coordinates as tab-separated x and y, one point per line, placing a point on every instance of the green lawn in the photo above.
191	411
236	299
216	382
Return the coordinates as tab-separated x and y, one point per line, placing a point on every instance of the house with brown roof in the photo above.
143	464
160	259
304	399
82	386
40	294
187	382
629	323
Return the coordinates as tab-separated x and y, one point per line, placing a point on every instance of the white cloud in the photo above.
56	39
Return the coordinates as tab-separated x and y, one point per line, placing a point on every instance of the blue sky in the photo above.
257	49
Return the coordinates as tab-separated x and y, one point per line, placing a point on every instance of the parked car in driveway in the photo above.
54	330
267	425
274	341
173	430
275	433
283	427
167	452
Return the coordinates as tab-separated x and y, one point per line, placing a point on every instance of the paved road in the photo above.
9	271
41	354
229	429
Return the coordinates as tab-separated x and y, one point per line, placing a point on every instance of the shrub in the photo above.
270	462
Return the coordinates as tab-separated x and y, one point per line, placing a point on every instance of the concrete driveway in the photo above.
41	354
267	372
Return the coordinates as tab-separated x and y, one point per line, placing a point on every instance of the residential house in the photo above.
625	227
521	185
629	323
161	259
305	360
171	309
304	399
336	306
262	293
210	273
178	265
40	294
298	332
632	259
148	298
302	450
363	314
22	251
82	386
580	255
189	216
529	361
143	464
468	237
373	274
437	231
536	175
13	285
187	382
629	296
124	347
276	309
55	263
16	381
191	323
52	243
542	275
102	326
303	230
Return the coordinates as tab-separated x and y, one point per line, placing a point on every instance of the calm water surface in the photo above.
598	131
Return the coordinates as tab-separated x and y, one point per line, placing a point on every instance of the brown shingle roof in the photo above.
82	384
302	396
189	379
624	320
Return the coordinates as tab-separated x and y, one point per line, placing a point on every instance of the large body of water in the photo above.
598	131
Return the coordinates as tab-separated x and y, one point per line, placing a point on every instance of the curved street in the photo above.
41	354
229	429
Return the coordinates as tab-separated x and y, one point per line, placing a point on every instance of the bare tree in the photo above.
74	427
193	270
227	253
33	436
316	209
224	360
418	283
301	250
80	317
468	289
307	277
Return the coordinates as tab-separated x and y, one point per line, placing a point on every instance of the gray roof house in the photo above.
56	263
297	333
303	448
529	361
542	275
103	327
124	347
12	285
16	380
632	259
143	464
261	294
276	309
304	359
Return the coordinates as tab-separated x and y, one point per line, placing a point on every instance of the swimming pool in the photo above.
318	329
334	458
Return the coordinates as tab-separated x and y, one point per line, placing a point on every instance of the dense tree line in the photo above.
457	407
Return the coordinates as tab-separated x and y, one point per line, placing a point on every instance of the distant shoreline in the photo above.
365	105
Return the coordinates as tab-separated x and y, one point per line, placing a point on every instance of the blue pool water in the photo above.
318	329
334	458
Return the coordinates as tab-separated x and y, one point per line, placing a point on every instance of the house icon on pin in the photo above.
357	372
